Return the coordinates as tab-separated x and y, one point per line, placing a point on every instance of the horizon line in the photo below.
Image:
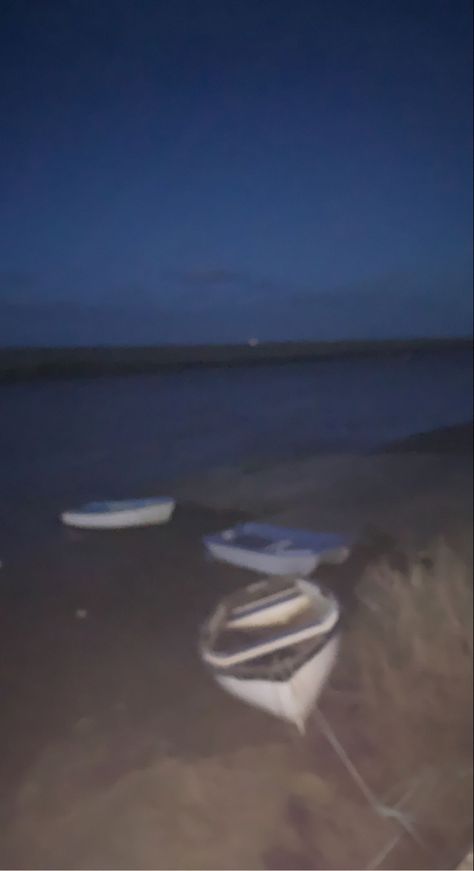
27	362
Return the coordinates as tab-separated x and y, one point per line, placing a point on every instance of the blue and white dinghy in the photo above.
274	645
276	550
120	514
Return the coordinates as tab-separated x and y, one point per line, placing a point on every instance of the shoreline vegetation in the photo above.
39	362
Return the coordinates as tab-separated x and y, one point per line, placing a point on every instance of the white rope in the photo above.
401	817
430	778
385	851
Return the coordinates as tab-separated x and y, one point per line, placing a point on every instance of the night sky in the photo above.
212	170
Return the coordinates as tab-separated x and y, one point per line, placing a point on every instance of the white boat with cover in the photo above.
276	550
273	645
120	514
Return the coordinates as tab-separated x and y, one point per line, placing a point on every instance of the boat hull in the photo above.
274	550
149	515
265	563
291	699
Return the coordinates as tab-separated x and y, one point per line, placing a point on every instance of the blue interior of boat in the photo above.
261	536
125	505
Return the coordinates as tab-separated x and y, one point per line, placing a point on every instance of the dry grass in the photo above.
411	650
408	662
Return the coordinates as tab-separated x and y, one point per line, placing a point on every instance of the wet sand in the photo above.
117	749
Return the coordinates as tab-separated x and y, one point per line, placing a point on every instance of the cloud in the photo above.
207	310
18	284
66	324
203	287
206	277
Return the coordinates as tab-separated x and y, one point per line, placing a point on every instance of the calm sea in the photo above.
122	436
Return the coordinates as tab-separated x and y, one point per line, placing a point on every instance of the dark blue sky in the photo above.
211	170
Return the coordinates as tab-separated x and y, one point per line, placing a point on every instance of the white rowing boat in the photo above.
274	663
120	514
275	550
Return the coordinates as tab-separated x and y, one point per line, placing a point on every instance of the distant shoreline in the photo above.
442	440
27	363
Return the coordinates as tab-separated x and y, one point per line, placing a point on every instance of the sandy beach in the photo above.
120	752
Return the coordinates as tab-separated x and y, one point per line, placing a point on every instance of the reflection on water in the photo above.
121	436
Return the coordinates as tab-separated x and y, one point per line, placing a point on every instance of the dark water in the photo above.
122	436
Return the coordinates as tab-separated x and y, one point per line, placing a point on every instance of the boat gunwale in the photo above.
280	670
217	623
117	506
300	542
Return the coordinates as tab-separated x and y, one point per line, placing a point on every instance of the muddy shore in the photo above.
119	751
